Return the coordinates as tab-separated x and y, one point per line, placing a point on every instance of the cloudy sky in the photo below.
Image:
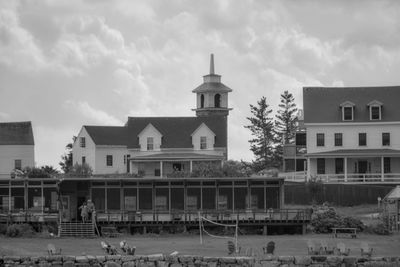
64	64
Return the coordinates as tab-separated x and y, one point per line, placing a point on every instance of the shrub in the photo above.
80	170
3	228
20	230
325	218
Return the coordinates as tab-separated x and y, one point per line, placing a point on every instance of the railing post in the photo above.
345	169
382	170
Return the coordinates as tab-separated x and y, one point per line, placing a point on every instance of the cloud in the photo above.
18	48
95	116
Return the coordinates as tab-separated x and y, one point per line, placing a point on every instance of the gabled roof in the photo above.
16	133
322	104
394	193
375	103
177	131
108	135
202	126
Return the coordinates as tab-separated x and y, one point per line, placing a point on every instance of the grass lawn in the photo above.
189	244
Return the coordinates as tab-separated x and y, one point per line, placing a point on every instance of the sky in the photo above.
65	63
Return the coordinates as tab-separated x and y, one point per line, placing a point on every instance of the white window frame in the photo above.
380	112
82	142
112	160
352	113
20	163
203	142
150	143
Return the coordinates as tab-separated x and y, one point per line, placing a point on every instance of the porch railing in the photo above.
340	178
298	215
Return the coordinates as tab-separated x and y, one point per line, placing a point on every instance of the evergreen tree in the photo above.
66	158
285	125
261	127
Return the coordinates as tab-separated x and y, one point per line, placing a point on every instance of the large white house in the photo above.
353	133
17	147
159	146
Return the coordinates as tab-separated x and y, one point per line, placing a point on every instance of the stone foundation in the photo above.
159	260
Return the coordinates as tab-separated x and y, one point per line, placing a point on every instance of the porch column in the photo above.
345	169
191	166
308	176
161	169
382	169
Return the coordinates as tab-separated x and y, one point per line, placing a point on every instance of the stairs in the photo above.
76	229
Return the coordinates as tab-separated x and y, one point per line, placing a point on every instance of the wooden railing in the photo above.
192	216
340	178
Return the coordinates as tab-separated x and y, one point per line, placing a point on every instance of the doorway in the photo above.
362	166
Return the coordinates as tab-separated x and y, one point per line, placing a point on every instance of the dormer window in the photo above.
375	110
150	143
347	111
203	142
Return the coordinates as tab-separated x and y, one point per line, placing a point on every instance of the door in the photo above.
65	209
362	168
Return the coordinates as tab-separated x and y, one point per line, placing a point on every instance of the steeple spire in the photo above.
212	64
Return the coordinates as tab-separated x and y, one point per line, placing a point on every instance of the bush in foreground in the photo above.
325	218
20	230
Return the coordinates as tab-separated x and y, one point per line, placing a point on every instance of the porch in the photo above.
366	165
171	164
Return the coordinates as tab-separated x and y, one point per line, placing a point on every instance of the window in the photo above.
320	139
203	142
362	139
82	142
150	143
109	160
320	166
347	113
385	139
339	165
202	101
18	164
386	165
217	100
375	112
338	139
83	160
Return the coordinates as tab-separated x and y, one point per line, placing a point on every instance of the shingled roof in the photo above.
176	131
108	135
16	133
322	104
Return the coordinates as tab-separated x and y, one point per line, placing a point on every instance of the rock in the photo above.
101	258
270	263
112	264
81	259
318	258
175	264
302	260
286	259
129	264
227	260
349	261
68	264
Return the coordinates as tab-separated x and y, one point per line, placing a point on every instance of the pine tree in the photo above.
285	125
66	158
261	127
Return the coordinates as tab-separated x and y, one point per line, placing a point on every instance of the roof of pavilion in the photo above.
357	152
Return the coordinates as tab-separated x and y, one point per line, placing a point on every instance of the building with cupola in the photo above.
161	146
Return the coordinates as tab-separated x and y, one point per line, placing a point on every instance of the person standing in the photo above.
91	209
84	212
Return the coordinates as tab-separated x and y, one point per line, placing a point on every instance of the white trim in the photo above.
147	126
201	126
352	113
351	123
370	112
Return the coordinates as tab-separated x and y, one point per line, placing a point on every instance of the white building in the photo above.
17	147
160	146
353	133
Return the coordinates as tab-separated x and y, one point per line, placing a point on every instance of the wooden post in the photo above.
200	225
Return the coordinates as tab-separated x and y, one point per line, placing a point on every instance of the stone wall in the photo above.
159	260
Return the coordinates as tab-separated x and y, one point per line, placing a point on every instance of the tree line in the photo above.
270	132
